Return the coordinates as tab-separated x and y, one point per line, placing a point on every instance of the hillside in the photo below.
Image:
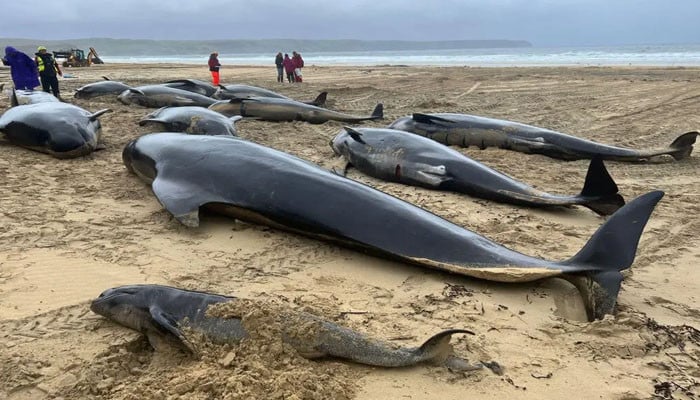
129	47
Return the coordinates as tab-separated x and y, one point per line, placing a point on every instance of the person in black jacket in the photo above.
279	62
48	68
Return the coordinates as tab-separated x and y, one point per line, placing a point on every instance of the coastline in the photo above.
72	228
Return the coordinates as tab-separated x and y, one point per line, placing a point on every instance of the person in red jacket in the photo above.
214	66
298	65
288	67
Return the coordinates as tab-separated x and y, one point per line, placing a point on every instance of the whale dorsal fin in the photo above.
355	134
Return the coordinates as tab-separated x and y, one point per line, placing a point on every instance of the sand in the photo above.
71	228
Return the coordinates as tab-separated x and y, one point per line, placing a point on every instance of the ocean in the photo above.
637	55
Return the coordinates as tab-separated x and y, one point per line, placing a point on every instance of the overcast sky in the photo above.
542	22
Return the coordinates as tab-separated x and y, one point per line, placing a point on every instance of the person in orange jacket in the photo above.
214	66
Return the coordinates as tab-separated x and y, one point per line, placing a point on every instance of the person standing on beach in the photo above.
48	68
22	68
279	62
298	65
288	67
214	66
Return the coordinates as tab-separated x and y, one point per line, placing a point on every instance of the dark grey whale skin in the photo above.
229	92
59	129
167	315
193	85
102	88
193	120
471	130
157	96
262	185
281	110
400	156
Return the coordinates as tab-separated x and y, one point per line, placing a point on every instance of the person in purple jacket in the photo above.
25	74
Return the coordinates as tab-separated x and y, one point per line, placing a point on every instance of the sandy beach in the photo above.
70	229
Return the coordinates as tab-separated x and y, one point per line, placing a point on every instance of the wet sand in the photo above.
71	228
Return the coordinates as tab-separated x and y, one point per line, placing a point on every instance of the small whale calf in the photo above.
167	315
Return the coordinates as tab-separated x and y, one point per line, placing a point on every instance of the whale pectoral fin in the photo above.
185	100
355	134
166	323
432	175
97	114
341	167
178	198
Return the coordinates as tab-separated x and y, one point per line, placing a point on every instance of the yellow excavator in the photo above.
77	58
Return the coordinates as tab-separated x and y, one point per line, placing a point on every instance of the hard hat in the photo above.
40	48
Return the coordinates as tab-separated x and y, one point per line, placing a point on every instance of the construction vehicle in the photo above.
77	58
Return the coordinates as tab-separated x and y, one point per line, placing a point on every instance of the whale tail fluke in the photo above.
602	188
437	347
683	145
611	249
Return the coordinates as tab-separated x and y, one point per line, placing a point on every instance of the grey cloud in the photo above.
543	22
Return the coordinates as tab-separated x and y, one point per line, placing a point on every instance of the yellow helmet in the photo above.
40	48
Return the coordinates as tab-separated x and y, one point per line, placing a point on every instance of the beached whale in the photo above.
60	129
278	110
24	97
170	315
262	185
229	92
157	96
192	119
400	156
194	86
106	87
470	130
